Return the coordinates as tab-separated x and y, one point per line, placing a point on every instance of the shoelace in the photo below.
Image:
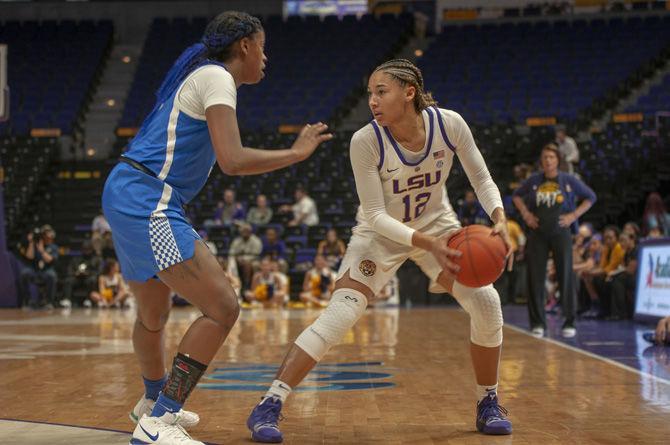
270	414
492	409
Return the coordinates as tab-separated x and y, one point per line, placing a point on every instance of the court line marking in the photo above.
108	430
589	354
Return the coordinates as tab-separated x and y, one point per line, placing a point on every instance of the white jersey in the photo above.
402	191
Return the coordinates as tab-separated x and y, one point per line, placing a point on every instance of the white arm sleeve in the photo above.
364	160
207	86
473	164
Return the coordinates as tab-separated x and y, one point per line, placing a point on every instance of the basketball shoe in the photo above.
187	419
263	421
163	430
491	417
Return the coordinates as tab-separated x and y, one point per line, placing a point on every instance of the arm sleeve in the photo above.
364	160
582	190
523	189
474	166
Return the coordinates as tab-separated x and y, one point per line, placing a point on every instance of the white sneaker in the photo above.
164	430
537	331
186	419
569	331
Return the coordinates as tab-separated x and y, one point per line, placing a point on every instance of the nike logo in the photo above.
391	171
283	387
154	438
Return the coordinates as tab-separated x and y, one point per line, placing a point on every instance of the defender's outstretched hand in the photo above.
309	138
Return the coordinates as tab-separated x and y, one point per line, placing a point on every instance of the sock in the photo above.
165	404
153	387
484	390
278	389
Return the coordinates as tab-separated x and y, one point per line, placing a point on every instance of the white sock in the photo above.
484	390
278	389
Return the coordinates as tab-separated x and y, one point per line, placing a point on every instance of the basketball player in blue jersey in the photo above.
192	127
401	161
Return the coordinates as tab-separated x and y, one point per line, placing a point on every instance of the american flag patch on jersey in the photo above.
438	154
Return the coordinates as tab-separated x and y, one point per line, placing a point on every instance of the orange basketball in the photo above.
483	255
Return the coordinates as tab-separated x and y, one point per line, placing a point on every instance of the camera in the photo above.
37	233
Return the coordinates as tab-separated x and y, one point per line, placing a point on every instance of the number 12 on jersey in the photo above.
420	203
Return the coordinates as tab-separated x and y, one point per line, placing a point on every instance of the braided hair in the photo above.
215	47
407	73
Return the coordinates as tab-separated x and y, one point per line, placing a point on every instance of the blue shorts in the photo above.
149	227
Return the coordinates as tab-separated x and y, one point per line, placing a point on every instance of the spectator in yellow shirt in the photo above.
511	282
610	260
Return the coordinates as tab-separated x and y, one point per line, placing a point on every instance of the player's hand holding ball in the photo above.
484	254
309	138
446	257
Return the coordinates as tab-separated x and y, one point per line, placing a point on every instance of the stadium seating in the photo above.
52	67
508	72
312	66
657	99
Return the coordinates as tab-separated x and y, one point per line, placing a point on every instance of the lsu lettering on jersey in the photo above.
403	191
410	186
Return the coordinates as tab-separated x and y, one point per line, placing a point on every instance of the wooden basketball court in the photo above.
402	376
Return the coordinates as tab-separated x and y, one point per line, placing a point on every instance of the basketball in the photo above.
483	255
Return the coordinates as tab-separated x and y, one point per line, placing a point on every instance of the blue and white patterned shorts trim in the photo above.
163	243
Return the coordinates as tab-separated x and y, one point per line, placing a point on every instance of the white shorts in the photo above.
373	259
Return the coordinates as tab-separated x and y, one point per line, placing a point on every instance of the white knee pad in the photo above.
345	308
483	305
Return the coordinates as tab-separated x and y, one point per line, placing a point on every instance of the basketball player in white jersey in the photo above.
401	161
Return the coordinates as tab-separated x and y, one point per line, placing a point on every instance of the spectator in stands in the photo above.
547	202
246	249
588	260
471	212
580	248
521	173
621	281
261	213
594	280
304	210
210	245
567	147
332	248
42	254
284	290
655	216
82	276
230	272
508	283
266	286
274	248
389	295
99	229
112	289
227	212
319	283
632	228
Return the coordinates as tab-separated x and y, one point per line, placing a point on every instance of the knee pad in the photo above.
483	306
345	308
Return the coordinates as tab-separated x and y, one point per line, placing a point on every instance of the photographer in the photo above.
82	276
41	253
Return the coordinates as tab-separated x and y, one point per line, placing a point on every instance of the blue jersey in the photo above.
176	147
149	227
